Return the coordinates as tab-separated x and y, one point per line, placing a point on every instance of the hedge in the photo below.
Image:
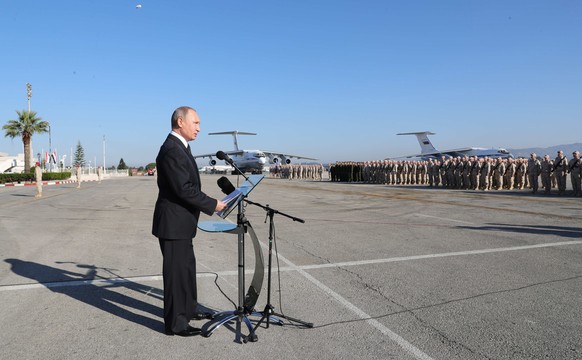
46	176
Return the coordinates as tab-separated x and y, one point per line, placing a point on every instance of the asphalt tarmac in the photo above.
383	272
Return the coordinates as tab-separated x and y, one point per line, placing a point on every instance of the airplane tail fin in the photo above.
234	134
423	140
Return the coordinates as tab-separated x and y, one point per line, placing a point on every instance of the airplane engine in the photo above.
286	161
275	160
212	162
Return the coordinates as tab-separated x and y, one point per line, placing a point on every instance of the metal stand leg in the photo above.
240	314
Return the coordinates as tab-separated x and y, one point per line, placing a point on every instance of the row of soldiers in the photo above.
297	172
468	173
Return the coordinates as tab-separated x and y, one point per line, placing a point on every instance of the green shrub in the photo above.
19	178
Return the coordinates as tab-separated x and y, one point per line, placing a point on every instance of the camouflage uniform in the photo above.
534	168
575	170
510	174
560	169
546	170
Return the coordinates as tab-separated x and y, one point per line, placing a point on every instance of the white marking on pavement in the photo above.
301	269
121	280
445	219
111	281
360	313
432	256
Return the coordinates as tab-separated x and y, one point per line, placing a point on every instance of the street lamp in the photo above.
28	94
104	154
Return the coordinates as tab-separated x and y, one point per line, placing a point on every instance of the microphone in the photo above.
224	184
221	155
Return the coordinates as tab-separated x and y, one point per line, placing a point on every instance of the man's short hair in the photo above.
180	113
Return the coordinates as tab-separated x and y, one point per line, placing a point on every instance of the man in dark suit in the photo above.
180	201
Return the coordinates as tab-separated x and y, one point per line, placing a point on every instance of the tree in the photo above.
121	165
79	158
26	126
151	166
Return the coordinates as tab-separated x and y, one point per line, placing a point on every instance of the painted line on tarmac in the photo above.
445	219
441	255
291	267
399	340
416	352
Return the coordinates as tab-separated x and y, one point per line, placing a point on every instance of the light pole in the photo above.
104	154
28	94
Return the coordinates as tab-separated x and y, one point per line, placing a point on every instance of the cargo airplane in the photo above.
253	161
428	151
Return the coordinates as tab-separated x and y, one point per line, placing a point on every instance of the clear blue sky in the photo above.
329	79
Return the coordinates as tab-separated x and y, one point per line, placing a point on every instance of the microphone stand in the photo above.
269	308
241	313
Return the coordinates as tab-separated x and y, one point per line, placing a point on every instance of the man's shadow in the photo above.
101	295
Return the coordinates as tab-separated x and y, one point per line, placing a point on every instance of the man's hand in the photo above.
220	205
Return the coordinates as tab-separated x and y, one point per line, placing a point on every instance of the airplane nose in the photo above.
263	160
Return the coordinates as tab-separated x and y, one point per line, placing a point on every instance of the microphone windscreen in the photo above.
225	185
220	155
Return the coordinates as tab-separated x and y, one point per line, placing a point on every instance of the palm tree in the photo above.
26	125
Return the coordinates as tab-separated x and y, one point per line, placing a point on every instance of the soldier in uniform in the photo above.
498	173
475	171
443	171
510	174
484	173
575	169
533	169
451	184
436	173
520	174
560	169
429	173
400	173
466	173
546	171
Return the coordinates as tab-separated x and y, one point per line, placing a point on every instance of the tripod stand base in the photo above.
269	313
240	316
225	317
300	322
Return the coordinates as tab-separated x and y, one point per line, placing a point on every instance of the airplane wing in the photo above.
273	154
213	155
460	150
447	153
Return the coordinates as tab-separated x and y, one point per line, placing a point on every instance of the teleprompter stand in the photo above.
245	303
269	312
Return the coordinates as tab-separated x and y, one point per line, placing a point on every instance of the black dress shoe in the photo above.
201	316
189	331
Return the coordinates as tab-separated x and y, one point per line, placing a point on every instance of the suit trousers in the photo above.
180	293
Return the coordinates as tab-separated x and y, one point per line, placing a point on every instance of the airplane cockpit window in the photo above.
259	155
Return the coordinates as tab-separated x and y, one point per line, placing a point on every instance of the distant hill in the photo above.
552	151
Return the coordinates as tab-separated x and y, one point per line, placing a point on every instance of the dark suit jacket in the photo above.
180	198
